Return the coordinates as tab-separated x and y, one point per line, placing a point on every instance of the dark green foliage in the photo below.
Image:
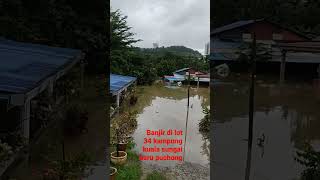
311	160
132	169
13	139
204	125
64	23
121	37
71	168
177	50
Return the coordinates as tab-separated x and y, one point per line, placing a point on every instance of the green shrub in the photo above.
5	151
129	172
311	160
204	125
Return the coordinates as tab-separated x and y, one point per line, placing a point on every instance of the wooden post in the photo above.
50	88
251	108
198	82
25	118
118	100
283	66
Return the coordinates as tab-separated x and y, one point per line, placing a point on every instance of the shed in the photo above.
27	69
120	83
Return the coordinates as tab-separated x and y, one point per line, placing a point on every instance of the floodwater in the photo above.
160	107
287	116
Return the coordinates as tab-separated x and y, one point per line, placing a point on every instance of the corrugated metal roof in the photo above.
307	46
232	26
24	65
242	23
183	69
117	82
276	57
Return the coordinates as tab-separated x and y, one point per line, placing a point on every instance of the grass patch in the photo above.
132	169
155	175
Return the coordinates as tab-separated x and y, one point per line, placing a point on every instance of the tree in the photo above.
62	23
121	35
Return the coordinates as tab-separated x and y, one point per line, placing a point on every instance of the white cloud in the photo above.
168	22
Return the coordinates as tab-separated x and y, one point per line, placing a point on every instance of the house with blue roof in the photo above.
27	70
119	85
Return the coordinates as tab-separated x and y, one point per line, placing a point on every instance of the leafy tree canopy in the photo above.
64	23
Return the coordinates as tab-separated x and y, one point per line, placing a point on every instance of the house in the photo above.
26	71
182	75
226	41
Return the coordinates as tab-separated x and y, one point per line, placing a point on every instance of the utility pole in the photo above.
187	118
251	107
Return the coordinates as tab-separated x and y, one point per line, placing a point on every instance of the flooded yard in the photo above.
285	118
161	107
47	149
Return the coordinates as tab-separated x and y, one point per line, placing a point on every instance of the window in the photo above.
277	36
246	36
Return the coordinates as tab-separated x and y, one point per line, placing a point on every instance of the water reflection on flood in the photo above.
160	107
287	116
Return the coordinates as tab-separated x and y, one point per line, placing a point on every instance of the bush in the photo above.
14	139
73	168
204	125
311	160
5	151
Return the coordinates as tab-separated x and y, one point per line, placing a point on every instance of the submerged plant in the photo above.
204	125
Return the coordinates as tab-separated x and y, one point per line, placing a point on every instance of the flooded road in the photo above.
161	107
285	118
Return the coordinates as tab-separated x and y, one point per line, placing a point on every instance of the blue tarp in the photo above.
117	82
24	65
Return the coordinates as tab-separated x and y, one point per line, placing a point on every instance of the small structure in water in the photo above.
181	75
119	84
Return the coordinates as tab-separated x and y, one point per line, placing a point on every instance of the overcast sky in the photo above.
168	22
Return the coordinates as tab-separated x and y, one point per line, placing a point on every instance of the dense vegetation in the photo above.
65	23
311	160
300	15
147	64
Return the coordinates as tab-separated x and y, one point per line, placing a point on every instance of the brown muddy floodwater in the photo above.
287	116
161	107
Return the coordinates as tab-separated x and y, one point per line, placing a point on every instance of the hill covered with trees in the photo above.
178	50
147	64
